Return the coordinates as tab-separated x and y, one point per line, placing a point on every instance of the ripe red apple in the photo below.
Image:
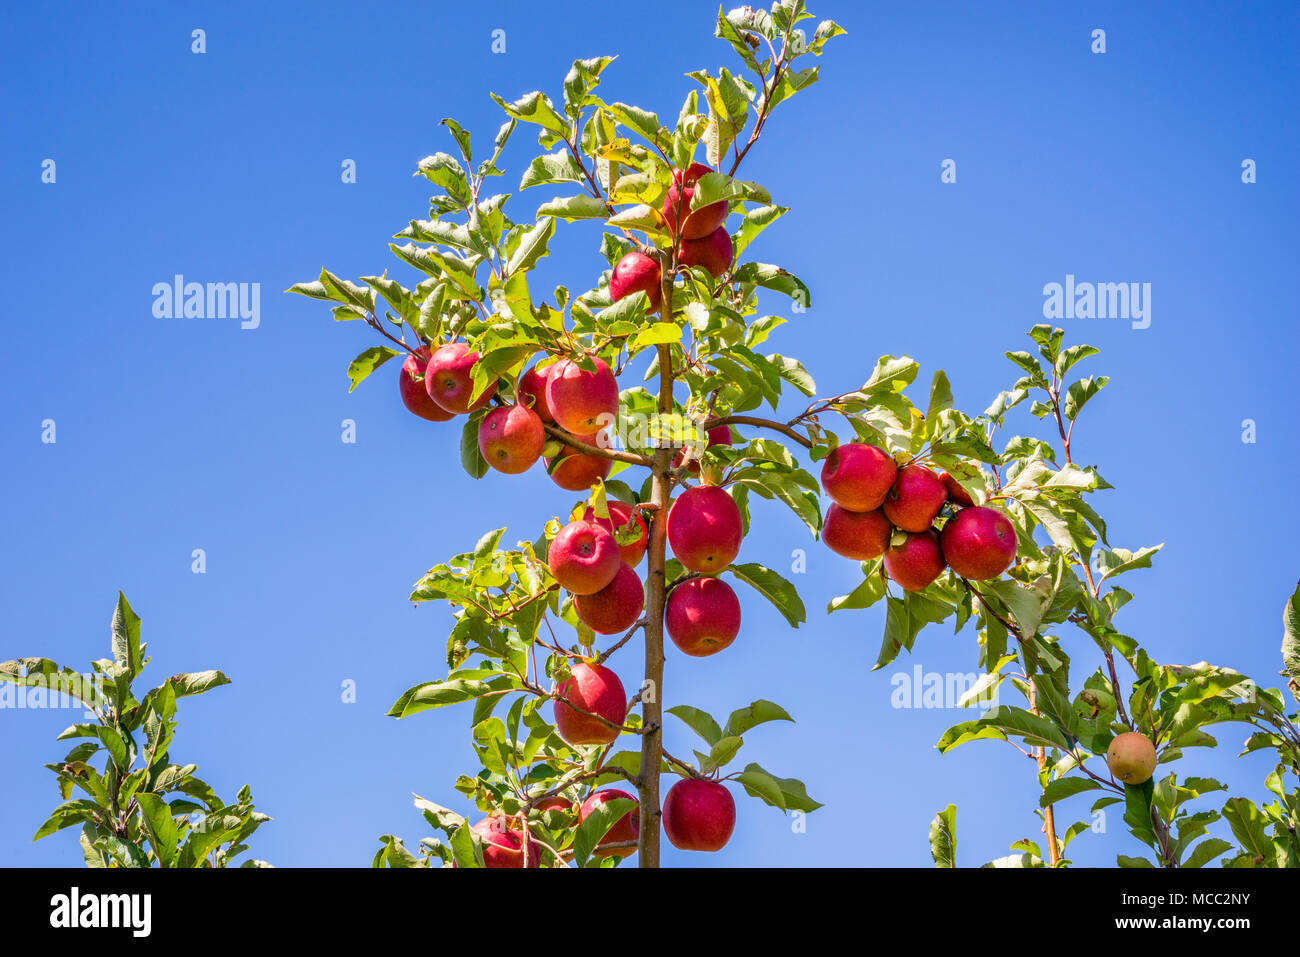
614	608
532	392
594	689
699	815
626	828
448	380
718	435
714	252
861	536
702	616
915	498
857	476
1131	757
511	438
956	494
917	562
582	402
620	516
584	558
979	543
553	803
636	272
576	471
705	529
410	382
699	222
503	846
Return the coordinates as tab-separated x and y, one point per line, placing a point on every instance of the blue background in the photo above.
177	434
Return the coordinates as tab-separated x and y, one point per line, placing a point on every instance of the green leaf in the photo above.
940	401
367	362
775	589
573	208
1116	561
701	722
1024	604
1062	788
721	753
758	783
437	694
1079	393
67	814
535	108
1206	851
465	848
596	824
755	221
1291	642
557	167
1249	826
658	333
197	682
943	837
532	246
1036	730
471	459
759	712
891	375
161	827
776	278
126	637
789	794
643	122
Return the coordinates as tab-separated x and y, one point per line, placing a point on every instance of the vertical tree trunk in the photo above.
652	688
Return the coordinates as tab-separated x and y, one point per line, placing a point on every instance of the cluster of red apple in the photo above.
702	240
698	815
438	386
882	509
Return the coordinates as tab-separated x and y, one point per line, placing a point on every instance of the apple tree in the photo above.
650	397
140	808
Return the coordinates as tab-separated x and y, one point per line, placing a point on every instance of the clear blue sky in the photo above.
177	434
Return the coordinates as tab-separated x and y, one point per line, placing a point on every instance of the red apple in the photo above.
511	438
979	542
699	815
532	392
636	272
553	803
583	558
503	846
956	494
582	402
702	616
915	498
410	382
620	516
626	828
705	529
861	536
596	690
714	252
449	382
576	471
857	476
917	562
614	608
677	203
